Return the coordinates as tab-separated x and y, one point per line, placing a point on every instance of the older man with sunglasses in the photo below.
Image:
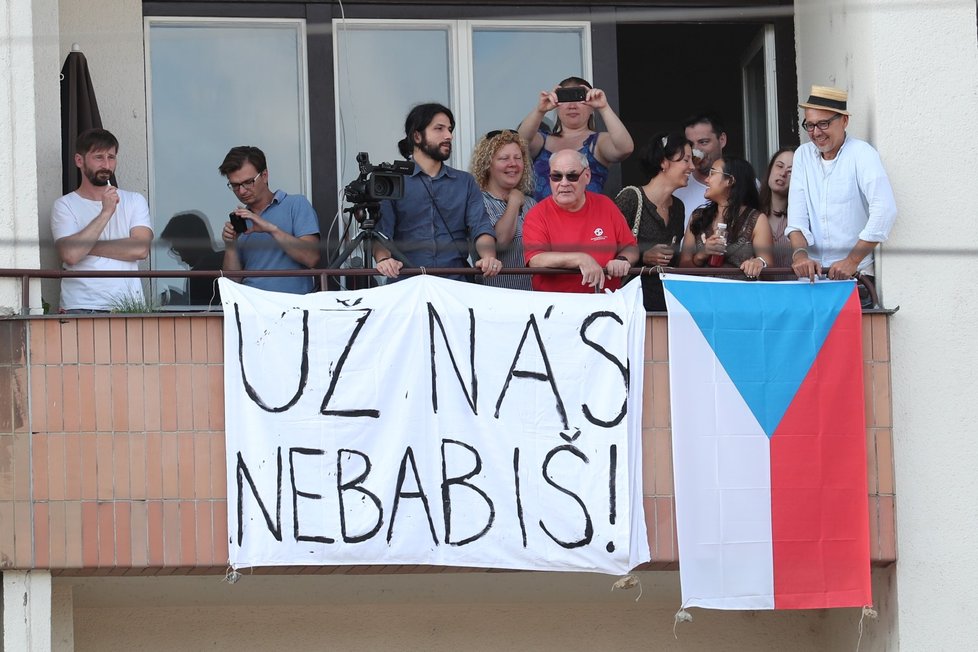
577	229
840	204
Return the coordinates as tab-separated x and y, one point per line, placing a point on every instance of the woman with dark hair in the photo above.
774	202
574	128
655	216
500	165
732	192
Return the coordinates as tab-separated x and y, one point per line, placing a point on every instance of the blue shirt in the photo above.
436	219
293	214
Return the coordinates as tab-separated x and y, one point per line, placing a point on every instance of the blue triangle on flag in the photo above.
766	335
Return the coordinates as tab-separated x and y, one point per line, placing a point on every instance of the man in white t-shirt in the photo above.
705	131
99	227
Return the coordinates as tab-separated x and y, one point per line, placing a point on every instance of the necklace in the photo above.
775	213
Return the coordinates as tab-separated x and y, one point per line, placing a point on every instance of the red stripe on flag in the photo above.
819	496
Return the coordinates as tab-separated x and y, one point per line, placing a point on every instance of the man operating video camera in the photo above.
442	210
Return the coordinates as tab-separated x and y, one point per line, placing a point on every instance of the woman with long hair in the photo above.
732	193
500	166
774	202
574	129
655	216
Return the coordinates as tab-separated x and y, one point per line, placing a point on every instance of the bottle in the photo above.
716	260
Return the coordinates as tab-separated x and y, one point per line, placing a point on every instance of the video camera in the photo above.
377	182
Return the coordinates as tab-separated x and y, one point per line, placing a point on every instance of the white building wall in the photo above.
110	34
28	94
26	611
912	72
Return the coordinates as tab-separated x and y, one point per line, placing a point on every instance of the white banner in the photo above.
435	422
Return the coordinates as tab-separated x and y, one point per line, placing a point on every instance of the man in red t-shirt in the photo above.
576	229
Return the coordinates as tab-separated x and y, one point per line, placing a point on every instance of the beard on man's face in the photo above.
97	177
438	151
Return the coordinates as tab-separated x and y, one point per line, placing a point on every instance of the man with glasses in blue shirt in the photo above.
840	203
280	231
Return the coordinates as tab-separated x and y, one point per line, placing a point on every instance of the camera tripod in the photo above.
366	216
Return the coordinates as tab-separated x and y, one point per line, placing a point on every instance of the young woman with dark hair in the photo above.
654	215
774	202
734	202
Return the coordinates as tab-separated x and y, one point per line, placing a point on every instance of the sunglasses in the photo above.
499	132
557	177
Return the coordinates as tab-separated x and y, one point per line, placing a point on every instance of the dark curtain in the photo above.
79	111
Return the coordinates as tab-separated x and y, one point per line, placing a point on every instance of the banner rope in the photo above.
868	612
682	616
629	582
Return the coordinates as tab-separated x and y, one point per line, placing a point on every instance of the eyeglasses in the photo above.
557	177
821	124
716	171
499	132
247	185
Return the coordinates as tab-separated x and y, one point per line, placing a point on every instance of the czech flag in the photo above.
769	443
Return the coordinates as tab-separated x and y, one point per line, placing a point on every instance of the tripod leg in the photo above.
342	256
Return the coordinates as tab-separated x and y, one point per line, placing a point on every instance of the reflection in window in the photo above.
506	87
207	93
381	73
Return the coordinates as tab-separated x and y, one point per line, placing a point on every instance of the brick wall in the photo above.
112	446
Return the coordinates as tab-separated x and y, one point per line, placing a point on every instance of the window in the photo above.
211	85
490	73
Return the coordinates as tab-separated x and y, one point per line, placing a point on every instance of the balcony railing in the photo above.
323	275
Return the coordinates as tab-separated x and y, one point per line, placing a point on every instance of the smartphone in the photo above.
238	222
571	94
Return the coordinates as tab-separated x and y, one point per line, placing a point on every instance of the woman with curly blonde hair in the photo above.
499	165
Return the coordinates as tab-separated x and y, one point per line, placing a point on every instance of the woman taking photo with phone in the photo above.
576	102
730	231
654	215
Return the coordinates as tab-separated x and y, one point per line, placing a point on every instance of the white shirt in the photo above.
835	205
71	214
692	196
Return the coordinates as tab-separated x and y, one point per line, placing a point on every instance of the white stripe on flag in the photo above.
721	458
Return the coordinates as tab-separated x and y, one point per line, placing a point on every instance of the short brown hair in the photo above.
238	156
95	139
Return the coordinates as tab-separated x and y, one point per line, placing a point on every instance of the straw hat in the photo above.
827	99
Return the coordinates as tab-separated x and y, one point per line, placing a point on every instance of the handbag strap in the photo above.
638	209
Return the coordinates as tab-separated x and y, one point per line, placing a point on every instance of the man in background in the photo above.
706	132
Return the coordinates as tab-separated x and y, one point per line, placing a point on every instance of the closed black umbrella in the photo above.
79	111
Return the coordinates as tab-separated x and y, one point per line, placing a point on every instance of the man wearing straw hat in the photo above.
840	203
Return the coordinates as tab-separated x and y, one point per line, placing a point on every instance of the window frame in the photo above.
302	67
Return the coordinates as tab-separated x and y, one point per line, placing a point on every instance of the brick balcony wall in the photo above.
112	458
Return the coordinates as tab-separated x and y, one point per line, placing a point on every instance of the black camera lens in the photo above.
383	187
